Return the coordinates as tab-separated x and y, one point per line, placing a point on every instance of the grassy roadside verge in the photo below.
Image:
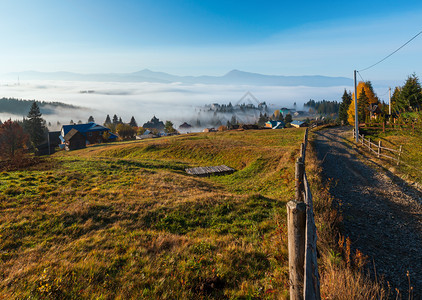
411	142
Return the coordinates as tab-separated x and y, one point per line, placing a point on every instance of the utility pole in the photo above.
389	101
356	110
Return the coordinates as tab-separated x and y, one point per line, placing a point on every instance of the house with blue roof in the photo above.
92	132
298	123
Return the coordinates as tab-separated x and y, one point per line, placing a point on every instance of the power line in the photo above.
360	76
391	53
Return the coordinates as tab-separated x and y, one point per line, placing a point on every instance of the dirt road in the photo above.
382	213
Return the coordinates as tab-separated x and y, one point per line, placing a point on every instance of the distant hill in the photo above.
21	107
232	77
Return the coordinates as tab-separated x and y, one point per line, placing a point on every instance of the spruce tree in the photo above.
107	121
115	120
91	119
363	104
344	106
411	94
35	125
133	122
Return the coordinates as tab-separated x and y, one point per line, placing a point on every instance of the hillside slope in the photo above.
125	221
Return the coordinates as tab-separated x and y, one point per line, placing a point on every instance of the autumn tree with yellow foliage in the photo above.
365	96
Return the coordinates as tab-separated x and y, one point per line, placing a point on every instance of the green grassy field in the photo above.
125	221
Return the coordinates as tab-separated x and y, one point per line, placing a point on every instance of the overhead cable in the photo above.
391	53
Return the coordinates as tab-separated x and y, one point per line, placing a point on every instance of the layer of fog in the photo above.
176	102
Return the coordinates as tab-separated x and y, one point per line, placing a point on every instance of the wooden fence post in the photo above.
296	224
362	138
299	171
379	148
400	151
369	144
302	151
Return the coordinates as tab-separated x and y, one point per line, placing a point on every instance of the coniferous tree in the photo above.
120	120
363	104
115	120
107	120
133	122
91	119
344	106
395	99
35	125
288	118
411	94
168	127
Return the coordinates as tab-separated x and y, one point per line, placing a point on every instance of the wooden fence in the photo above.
302	237
378	149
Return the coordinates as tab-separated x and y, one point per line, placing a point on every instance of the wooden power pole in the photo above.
356	110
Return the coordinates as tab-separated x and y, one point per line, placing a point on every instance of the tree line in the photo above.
406	98
17	136
18	106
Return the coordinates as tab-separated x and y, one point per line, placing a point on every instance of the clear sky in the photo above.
212	37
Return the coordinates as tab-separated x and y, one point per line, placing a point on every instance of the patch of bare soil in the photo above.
382	213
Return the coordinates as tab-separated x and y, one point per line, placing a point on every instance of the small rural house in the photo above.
146	135
74	140
374	110
298	124
274	124
49	146
209	130
92	132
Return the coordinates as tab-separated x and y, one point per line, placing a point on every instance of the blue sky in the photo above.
211	37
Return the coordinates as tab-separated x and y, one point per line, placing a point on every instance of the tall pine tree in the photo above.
344	106
363	104
133	122
115	120
410	96
107	120
35	125
91	119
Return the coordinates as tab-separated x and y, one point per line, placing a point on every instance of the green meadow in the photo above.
125	221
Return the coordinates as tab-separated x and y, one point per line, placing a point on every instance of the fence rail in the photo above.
378	148
302	237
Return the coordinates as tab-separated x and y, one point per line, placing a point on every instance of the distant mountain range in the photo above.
233	77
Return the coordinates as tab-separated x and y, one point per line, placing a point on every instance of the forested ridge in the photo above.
21	107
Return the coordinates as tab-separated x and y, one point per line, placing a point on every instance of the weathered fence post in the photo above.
363	139
369	144
296	222
400	151
299	171
379	148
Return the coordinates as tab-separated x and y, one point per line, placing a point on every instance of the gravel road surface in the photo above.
382	213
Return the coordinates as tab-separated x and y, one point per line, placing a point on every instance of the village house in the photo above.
274	124
92	132
298	124
146	135
74	140
209	130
